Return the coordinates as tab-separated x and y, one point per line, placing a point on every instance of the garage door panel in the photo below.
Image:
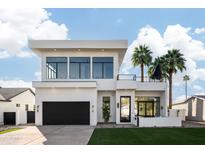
9	118
66	113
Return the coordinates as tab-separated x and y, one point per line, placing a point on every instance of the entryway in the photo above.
30	116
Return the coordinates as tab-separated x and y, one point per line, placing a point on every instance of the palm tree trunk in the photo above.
142	72
170	91
186	89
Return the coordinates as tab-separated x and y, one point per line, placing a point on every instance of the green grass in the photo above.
148	136
9	130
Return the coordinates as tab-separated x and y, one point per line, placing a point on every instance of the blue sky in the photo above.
109	24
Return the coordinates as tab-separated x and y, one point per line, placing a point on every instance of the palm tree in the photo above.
186	78
157	62
141	56
173	61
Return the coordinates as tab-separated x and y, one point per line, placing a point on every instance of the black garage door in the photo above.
66	113
30	116
9	118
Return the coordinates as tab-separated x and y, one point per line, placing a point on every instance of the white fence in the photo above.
174	119
177	113
21	117
160	122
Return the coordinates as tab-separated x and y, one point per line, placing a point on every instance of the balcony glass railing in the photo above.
136	78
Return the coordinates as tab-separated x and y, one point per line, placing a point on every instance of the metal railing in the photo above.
136	78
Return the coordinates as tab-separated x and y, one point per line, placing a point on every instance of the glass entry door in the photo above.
145	108
125	109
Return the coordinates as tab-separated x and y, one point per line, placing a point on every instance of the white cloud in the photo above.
175	36
15	83
199	30
198	87
3	54
50	30
19	25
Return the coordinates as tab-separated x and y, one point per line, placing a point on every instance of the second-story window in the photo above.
79	68
102	67
56	67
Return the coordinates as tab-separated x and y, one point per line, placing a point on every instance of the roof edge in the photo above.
78	44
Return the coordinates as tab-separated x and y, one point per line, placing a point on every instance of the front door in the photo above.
125	107
145	108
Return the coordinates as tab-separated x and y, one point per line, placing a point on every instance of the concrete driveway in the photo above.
50	135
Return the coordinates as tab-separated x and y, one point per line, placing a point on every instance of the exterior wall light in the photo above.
92	108
37	108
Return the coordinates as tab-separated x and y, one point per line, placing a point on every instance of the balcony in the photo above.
131	81
136	78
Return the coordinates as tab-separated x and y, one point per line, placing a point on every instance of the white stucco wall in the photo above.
67	94
110	94
24	98
181	106
160	122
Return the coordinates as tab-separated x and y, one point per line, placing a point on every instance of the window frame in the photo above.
103	70
56	64
79	67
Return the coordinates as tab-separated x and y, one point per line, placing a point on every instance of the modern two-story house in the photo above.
79	76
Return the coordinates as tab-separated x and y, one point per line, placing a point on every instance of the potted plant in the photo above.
106	112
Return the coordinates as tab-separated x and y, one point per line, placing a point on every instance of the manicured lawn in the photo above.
148	136
9	130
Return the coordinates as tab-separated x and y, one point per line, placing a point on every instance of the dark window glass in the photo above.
74	71
62	70
85	71
97	71
108	70
147	106
56	67
106	104
79	68
56	59
103	67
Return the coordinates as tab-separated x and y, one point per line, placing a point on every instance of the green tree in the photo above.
157	62
141	56
186	78
172	62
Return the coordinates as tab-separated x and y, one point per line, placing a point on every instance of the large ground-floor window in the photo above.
147	106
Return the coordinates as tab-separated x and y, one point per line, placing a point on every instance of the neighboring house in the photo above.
180	106
17	106
195	107
78	77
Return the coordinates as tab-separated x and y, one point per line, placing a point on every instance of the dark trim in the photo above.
129	108
146	108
